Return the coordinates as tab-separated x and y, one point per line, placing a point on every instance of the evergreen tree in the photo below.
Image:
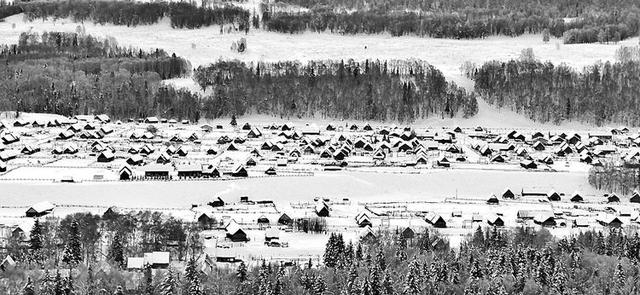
148	281
47	286
58	284
619	278
35	242
472	287
68	284
358	254
242	272
381	260
90	284
365	287
387	284
374	280
192	278
319	286
116	250
168	284
28	288
278	286
233	123
412	280
118	291
73	249
352	279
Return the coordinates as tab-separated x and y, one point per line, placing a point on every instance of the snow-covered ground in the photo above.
433	185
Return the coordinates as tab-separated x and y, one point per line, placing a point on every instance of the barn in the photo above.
322	209
495	220
553	196
435	220
40	209
157	171
576	197
285	219
508	194
239	171
125	173
635	197
235	233
609	221
545	219
189	170
493	200
106	156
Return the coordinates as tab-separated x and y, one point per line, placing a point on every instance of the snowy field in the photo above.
359	187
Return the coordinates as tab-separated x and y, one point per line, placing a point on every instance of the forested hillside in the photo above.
575	21
599	94
69	73
181	14
369	90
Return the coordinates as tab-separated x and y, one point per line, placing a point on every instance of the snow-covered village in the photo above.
319	147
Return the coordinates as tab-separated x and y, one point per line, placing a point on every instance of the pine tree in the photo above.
28	288
476	271
330	252
35	242
242	272
68	284
233	123
148	280
352	279
387	284
278	287
116	250
47	284
58	284
192	278
73	249
168	284
358	254
496	287
319	286
412	281
91	284
619	278
365	287
118	291
381	260
472	287
374	280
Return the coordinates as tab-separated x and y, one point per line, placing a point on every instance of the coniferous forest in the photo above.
181	14
370	90
71	73
575	21
599	94
66	256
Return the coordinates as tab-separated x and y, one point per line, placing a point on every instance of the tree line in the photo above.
71	73
370	90
618	179
599	94
491	261
128	13
576	22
